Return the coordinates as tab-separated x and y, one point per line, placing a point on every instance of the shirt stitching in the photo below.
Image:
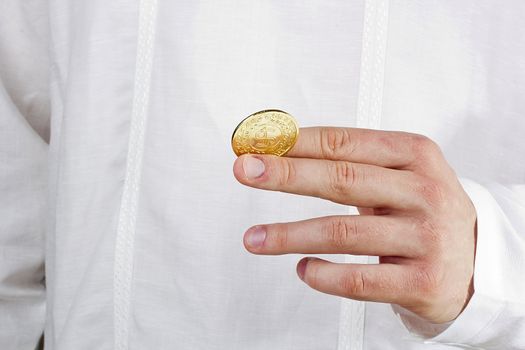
369	110
125	238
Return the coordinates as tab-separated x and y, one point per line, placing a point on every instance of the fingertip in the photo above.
301	267
253	167
254	238
249	169
237	168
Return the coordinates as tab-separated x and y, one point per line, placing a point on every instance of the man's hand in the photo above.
414	215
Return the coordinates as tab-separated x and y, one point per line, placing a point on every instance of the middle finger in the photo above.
347	234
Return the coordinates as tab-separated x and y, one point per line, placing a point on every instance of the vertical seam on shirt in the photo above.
124	245
369	110
370	98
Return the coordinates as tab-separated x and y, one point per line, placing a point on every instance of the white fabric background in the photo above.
453	72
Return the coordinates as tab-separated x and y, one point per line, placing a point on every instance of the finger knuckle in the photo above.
427	283
423	147
343	176
430	231
288	173
432	193
389	142
354	284
334	142
341	233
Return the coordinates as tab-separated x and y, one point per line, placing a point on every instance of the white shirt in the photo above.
115	165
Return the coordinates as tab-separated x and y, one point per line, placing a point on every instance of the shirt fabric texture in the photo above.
121	222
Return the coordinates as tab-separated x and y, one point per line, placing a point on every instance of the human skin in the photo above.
414	215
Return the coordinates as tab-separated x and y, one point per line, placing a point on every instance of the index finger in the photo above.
391	149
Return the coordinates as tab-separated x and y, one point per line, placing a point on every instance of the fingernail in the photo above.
255	236
301	267
253	167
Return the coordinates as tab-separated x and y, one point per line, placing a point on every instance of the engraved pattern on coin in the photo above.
265	132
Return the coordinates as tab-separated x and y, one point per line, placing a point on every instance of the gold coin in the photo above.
266	132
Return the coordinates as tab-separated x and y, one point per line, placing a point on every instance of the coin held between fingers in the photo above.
270	131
